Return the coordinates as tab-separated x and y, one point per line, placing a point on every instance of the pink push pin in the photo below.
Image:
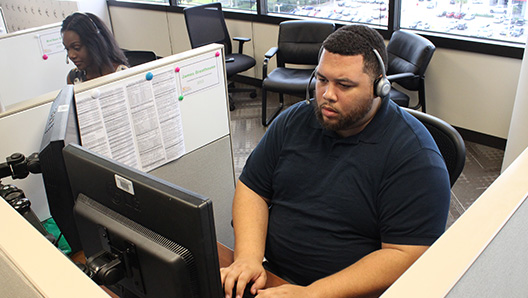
217	54
177	69
45	57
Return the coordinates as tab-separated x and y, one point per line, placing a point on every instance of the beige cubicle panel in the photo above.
31	266
483	254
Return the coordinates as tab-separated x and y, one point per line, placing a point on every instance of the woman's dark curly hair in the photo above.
101	45
354	40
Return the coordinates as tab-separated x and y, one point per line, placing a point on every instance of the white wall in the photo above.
471	91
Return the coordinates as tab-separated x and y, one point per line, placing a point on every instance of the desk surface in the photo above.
225	258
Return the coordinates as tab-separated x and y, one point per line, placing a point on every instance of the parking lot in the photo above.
474	18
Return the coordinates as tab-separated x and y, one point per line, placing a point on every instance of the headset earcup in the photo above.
382	87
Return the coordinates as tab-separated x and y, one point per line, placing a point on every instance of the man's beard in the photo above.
344	121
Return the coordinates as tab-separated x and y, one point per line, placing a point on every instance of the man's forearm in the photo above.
250	222
370	276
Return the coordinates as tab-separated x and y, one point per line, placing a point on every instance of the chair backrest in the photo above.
300	41
139	57
447	139
206	25
409	52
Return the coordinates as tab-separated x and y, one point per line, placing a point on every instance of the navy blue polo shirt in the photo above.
335	200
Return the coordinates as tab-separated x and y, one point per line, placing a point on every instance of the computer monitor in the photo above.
61	129
154	238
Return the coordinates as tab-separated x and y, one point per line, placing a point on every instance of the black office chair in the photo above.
139	57
447	139
206	25
409	56
299	44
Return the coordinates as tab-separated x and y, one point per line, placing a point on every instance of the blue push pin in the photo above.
149	76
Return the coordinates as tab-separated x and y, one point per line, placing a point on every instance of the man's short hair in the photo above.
354	40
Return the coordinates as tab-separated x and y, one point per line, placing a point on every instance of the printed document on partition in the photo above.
136	122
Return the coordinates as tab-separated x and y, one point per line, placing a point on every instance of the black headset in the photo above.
382	86
89	18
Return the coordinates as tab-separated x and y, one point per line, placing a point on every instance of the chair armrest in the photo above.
401	76
241	41
269	54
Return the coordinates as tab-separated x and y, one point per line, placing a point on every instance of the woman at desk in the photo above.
91	47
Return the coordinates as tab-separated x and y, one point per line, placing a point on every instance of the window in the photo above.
162	2
374	12
496	27
483	19
248	5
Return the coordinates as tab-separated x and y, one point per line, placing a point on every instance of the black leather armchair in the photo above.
409	56
206	25
299	44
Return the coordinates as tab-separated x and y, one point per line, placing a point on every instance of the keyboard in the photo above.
247	292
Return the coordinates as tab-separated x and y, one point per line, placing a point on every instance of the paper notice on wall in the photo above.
137	123
51	43
199	74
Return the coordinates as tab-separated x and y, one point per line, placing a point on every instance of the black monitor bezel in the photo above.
171	211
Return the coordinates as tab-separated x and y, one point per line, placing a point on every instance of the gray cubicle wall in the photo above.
207	166
501	270
207	171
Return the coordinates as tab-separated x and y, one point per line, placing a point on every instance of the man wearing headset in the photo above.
342	194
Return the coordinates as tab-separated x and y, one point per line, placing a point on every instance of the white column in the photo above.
518	133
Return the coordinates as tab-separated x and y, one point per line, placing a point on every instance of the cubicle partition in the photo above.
483	254
32	267
192	87
194	128
21	130
170	118
33	62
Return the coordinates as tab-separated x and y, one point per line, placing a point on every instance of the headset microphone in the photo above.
312	76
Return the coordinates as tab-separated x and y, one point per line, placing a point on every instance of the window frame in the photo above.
441	40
